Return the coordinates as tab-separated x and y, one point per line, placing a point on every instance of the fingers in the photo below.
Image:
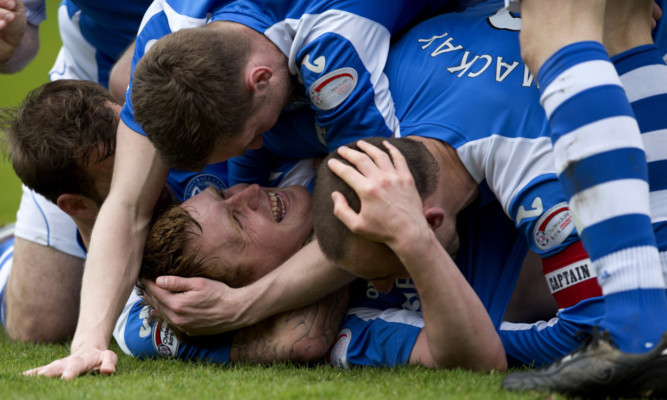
40	371
400	163
7	4
6	17
174	283
109	361
379	157
368	160
74	369
343	211
75	365
152	296
347	173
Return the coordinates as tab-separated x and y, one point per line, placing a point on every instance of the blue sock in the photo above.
643	73
602	167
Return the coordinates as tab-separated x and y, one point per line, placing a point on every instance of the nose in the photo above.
383	285
248	197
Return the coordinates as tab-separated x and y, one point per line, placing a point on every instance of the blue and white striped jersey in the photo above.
94	36
336	51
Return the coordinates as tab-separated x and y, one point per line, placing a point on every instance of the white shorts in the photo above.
39	220
77	57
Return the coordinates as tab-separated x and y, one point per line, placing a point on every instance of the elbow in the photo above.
309	351
480	360
493	359
496	362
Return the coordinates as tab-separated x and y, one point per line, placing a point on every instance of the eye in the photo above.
235	217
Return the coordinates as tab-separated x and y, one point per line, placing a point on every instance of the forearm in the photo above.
458	330
110	273
304	278
23	53
303	335
117	242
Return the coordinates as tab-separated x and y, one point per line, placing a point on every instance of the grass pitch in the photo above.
162	379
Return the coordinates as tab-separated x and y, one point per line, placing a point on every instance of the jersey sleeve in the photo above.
264	168
140	338
349	95
372	337
154	26
543	342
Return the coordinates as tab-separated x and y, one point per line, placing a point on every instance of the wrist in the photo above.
413	240
85	342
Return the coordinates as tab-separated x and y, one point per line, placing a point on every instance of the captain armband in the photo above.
570	276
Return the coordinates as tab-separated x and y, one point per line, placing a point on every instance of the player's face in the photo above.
251	227
263	119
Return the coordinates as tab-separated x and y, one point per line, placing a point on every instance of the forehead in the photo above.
218	228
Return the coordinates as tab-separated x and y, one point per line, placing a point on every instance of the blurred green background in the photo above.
13	89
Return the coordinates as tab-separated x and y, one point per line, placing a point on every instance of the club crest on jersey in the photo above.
200	182
553	227
333	88
165	341
338	353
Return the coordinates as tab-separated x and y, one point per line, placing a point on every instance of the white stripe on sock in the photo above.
595	138
643	82
630	269
608	200
576	79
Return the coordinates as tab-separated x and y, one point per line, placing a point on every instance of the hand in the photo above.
391	208
196	306
85	360
12	27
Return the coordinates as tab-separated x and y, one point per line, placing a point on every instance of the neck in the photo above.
85	227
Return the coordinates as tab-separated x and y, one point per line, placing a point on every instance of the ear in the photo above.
258	78
434	216
77	206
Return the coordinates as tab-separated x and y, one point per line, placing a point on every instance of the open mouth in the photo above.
277	206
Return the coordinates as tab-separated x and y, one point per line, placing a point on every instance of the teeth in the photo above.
277	207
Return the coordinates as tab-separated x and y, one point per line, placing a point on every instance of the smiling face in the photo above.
251	228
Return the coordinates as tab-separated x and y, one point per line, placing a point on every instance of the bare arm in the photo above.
119	78
457	329
200	306
302	335
115	253
19	40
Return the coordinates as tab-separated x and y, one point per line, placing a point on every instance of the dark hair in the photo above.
188	93
332	235
60	128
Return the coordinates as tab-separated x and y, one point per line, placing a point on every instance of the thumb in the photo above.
174	283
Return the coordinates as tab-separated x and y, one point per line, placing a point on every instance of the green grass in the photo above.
13	89
157	379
